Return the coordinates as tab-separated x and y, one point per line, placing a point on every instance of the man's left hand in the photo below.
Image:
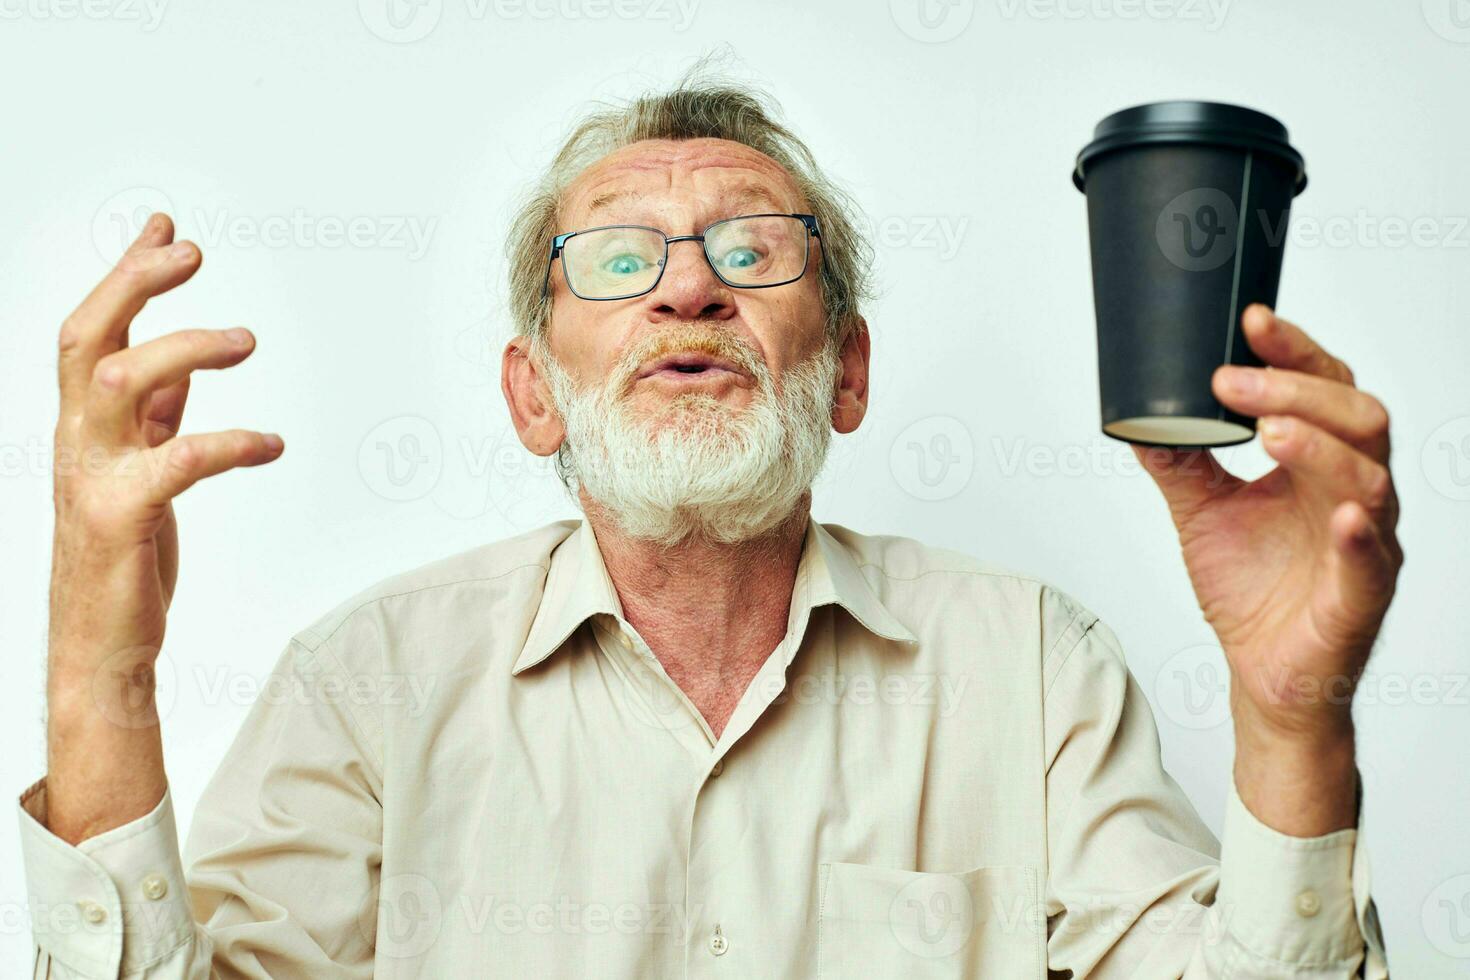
1295	570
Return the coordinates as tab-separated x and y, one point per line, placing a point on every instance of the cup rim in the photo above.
1190	122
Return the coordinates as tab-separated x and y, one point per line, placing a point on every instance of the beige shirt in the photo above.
479	769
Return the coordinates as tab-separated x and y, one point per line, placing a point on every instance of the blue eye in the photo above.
624	265
741	258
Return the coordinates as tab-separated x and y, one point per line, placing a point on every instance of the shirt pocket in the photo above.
880	922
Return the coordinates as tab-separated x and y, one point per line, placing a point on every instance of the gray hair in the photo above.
699	106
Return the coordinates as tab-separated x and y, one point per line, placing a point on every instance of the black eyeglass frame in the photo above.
560	241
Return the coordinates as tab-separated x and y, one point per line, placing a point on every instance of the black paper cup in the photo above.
1187	207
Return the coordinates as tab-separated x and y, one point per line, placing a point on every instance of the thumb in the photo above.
1186	477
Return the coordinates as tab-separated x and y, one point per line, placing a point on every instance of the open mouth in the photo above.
688	364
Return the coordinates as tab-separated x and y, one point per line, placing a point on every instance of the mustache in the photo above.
693	337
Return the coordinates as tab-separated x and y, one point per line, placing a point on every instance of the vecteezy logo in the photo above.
1450	19
651	699
932	21
1446	917
1445	459
400	21
933	915
933	458
135	687
401	459
121	219
1196	230
401	916
1192	688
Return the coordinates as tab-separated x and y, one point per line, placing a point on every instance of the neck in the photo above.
712	613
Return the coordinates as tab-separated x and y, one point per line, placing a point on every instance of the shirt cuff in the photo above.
112	904
1300	902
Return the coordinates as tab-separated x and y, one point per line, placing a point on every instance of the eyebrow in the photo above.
602	201
753	194
742	197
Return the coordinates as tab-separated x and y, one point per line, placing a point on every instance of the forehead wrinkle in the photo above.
678	163
728	203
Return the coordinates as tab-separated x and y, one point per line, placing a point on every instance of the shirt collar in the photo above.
578	587
835	576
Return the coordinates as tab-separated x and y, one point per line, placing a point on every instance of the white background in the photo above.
264	126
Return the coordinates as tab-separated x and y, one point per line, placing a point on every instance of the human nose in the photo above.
689	288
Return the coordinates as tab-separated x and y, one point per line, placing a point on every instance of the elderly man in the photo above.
700	734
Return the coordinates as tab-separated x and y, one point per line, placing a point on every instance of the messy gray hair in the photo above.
701	105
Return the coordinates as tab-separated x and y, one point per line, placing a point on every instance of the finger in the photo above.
157	230
1354	416
1283	344
183	461
1188	478
150	247
166	405
165	413
140	274
125	380
156	434
100	324
1363	564
1328	467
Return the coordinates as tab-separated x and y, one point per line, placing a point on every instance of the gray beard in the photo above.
699	467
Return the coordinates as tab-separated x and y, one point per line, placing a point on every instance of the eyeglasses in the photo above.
753	251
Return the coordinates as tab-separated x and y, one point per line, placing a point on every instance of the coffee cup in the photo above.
1187	208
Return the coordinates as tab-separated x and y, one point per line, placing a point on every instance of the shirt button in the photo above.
93	912
155	887
718	943
719	767
1308	903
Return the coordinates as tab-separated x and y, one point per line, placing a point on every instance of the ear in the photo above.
529	397
851	403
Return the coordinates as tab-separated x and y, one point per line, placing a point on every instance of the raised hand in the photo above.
119	462
1295	570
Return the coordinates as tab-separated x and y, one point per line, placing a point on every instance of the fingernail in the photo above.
238	336
181	251
274	442
1274	427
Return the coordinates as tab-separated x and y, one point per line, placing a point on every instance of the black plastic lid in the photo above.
1215	123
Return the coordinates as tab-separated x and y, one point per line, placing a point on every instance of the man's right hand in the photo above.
119	462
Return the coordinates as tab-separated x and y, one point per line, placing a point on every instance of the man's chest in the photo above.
585	816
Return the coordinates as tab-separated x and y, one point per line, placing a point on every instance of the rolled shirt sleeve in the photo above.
283	854
1137	884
